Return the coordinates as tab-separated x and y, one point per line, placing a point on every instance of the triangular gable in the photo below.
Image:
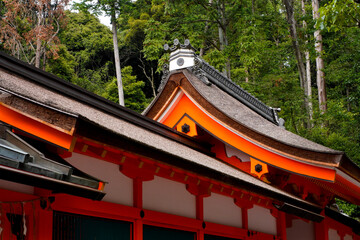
198	97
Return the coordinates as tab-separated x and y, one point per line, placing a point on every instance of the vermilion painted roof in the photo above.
233	107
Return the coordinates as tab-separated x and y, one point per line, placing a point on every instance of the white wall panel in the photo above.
348	237
261	220
119	188
16	187
333	235
168	196
301	230
221	209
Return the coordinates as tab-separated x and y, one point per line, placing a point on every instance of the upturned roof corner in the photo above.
183	56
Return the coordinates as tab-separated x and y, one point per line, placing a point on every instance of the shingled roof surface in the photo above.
36	85
244	115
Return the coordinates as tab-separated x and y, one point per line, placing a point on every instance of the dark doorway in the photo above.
212	237
67	226
159	233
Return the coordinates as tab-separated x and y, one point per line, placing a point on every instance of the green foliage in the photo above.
337	14
86	59
341	131
63	66
134	96
154	41
216	58
350	209
89	52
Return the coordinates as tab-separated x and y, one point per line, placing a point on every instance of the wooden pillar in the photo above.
44	224
138	203
200	214
137	193
245	206
245	218
200	208
322	230
138	229
281	225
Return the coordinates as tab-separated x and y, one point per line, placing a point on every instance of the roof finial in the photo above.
178	45
181	55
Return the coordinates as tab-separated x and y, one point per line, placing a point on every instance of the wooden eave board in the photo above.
101	144
37	120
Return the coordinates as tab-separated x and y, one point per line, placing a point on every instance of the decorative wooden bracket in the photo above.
242	203
136	170
258	168
187	126
200	188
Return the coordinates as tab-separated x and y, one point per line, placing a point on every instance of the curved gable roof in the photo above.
232	106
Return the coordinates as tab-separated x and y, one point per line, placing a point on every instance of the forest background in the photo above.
301	56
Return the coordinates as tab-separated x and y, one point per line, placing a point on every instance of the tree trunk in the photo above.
38	31
222	35
289	5
320	75
202	50
246	75
38	52
307	85
151	78
348	98
253	7
44	61
117	59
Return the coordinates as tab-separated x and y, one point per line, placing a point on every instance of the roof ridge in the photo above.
214	76
210	75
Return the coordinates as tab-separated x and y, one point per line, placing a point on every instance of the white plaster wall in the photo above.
168	196
221	209
231	151
333	235
301	230
261	220
187	56
16	187
119	188
348	237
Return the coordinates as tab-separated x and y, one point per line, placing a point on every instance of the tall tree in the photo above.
304	72
110	8
90	45
116	55
134	96
218	13
289	6
29	28
320	75
307	84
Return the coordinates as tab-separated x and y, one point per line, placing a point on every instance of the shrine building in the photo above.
205	161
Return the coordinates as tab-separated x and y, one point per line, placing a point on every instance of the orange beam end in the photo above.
35	127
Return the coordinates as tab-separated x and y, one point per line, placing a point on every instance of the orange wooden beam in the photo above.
35	127
186	106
